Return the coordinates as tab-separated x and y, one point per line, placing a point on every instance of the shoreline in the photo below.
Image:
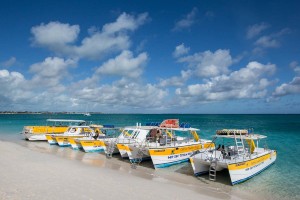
34	170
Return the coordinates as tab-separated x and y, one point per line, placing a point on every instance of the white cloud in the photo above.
176	80
187	20
295	66
60	38
292	87
267	42
256	29
124	94
270	41
209	64
124	65
54	33
125	22
13	87
51	71
10	62
248	82
180	50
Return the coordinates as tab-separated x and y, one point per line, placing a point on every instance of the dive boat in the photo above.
131	135
72	132
238	152
128	135
165	147
53	126
95	143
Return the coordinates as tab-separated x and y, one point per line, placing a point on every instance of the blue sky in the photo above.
150	56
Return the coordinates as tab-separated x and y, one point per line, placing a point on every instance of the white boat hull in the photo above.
90	149
165	157
241	172
35	137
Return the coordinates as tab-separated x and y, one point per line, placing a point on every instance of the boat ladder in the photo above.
239	142
139	157
213	171
110	148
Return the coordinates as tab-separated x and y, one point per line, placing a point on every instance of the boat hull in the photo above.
243	171
165	157
75	144
50	139
92	145
38	133
63	141
123	150
35	137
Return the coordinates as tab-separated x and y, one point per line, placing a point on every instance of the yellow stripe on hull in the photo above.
65	138
90	143
174	150
123	150
47	129
72	141
123	147
250	163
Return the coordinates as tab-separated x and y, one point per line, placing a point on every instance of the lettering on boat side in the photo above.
180	155
159	150
250	168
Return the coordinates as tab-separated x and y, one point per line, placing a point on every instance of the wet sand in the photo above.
36	170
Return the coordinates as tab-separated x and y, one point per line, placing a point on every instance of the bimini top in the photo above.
180	129
64	120
232	132
243	137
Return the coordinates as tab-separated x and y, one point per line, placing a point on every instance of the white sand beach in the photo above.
39	171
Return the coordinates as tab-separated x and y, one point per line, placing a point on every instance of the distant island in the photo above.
44	112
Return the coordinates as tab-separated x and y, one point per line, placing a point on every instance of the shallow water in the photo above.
280	181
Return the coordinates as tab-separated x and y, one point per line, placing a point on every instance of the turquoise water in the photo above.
280	181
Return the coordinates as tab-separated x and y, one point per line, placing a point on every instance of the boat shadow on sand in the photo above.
186	169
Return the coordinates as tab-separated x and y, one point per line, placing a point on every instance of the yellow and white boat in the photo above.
242	157
72	132
129	135
165	148
53	126
97	143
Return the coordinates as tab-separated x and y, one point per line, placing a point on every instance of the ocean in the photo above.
280	181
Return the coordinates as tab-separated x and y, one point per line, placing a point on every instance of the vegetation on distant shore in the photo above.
43	112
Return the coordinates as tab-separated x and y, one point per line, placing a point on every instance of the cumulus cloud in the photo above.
13	87
272	40
10	62
248	82
187	20
124	65
54	33
256	29
209	64
60	38
51	71
292	87
295	66
267	42
176	80
124	94
180	50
